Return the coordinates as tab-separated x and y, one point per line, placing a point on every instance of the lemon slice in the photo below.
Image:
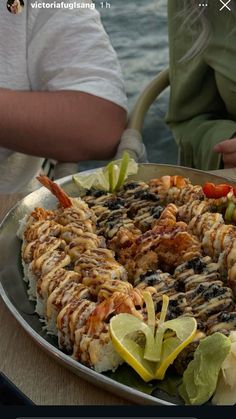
123	328
185	329
150	359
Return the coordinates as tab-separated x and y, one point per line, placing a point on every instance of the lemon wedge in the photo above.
123	329
150	353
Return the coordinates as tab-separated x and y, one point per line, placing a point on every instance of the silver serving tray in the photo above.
13	288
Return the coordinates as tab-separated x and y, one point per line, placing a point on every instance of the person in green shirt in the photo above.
202	106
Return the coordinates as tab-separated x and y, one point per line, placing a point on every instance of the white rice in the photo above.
22	226
40	306
25	271
104	357
32	279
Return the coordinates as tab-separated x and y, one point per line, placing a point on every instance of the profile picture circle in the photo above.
15	6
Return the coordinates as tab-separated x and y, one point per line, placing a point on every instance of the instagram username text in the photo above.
68	5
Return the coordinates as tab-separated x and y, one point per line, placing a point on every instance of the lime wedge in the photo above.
123	170
95	179
123	328
109	178
110	170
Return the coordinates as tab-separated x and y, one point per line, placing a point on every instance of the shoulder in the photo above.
65	13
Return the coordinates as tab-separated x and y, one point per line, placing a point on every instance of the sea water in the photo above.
138	33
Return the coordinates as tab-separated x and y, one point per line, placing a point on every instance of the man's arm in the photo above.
64	125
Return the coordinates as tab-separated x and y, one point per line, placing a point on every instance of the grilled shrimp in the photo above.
165	183
93	344
169	240
72	209
56	190
175	189
117	303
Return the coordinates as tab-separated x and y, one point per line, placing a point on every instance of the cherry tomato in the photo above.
234	191
216	191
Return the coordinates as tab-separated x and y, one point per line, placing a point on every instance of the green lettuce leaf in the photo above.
200	377
127	376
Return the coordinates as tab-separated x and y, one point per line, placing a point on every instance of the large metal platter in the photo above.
13	288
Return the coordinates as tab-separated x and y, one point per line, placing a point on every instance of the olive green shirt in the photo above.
202	107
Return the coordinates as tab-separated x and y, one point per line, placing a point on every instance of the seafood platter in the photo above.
138	277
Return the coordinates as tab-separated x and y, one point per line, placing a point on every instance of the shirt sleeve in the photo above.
197	115
68	49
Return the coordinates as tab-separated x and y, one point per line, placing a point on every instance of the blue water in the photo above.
138	32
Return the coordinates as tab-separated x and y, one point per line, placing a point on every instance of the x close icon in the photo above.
225	5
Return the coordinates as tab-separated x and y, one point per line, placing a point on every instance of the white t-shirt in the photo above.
48	49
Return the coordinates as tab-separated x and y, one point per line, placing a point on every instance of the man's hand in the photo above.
228	150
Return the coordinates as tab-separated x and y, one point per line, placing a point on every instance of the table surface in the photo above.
35	373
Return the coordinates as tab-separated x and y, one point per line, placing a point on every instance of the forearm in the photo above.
64	125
